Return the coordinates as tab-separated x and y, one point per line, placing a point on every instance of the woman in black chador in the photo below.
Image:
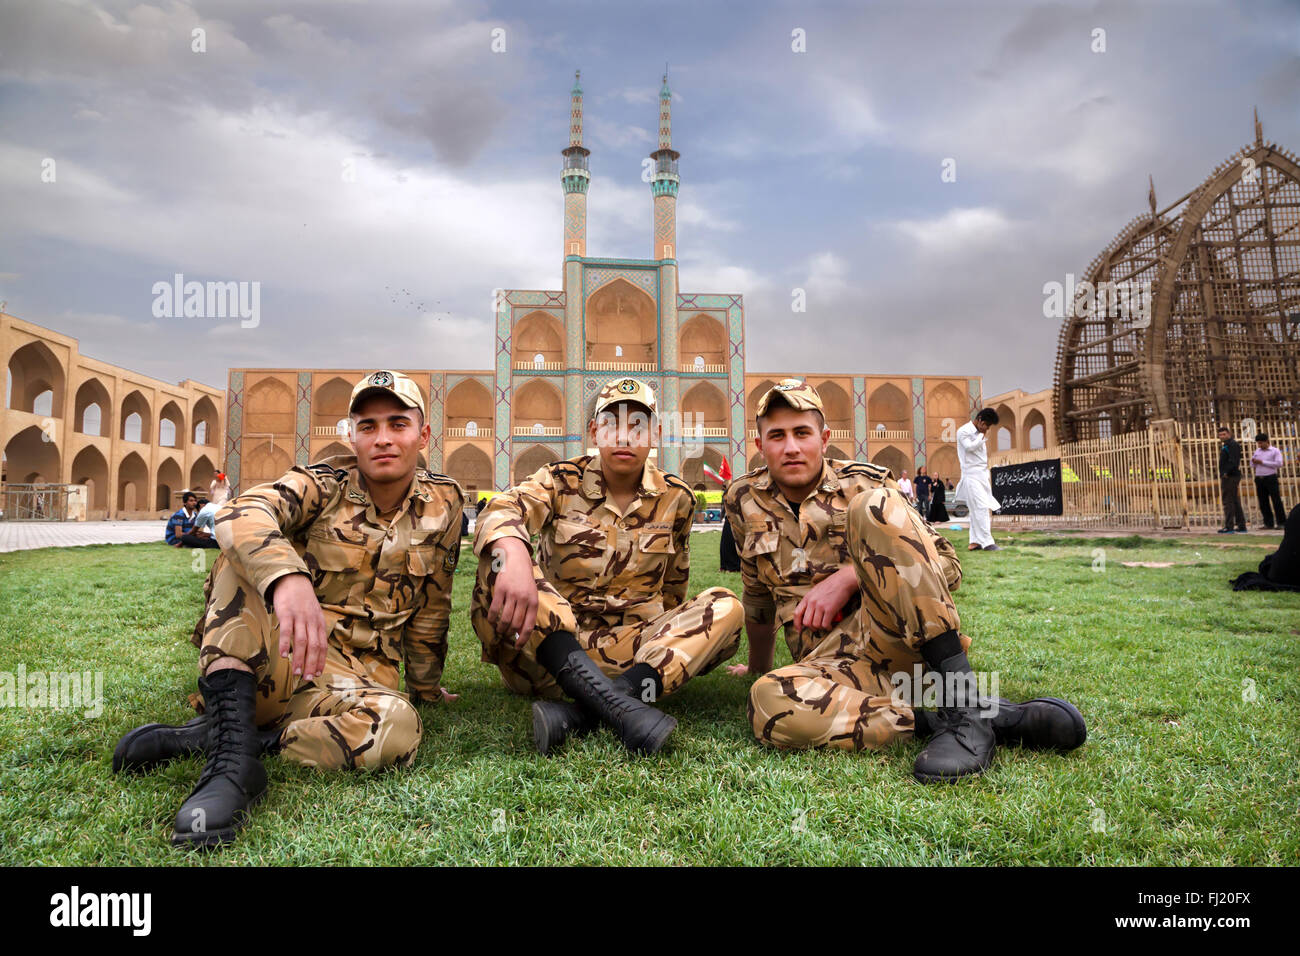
938	510
1279	571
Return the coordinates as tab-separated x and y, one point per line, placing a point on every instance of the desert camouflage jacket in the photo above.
613	568
782	556
384	587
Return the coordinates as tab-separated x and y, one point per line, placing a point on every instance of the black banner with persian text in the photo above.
1030	488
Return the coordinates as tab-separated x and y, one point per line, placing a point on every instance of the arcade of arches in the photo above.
135	442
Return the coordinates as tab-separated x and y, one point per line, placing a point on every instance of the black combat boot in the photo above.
641	728
962	741
152	745
233	778
1044	723
556	720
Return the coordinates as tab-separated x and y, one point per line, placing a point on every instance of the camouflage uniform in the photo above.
616	580
384	589
838	691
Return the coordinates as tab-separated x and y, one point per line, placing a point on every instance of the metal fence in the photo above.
1166	476
34	502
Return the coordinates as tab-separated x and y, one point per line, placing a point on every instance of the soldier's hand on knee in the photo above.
302	624
514	596
821	606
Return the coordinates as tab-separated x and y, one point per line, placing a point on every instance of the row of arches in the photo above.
471	466
35	383
1030	435
889	408
621	326
30	459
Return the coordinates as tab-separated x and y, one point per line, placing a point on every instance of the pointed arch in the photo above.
92	408
837	407
332	450
751	401
34	370
893	458
206	428
622	316
132	485
946	401
330	402
270	408
470	466
533	458
90	468
887	405
136	418
169	482
30	459
173	436
469	400
1033	431
266	462
201	474
703	336
704	405
538	333
537	402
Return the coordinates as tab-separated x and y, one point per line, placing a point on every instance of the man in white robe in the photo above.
975	487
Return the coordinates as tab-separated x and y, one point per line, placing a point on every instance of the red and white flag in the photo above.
722	475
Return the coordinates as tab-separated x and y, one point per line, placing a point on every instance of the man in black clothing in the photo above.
1229	479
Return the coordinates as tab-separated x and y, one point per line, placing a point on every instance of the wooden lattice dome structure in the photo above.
1220	340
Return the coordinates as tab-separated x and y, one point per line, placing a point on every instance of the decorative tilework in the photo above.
646	279
234	428
302	424
501	395
437	392
918	421
860	418
976	400
735	375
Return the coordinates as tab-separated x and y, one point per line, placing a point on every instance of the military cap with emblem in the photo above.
385	382
800	396
624	390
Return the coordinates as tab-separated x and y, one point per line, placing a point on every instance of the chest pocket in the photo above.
579	548
421	560
761	537
344	564
837	535
656	542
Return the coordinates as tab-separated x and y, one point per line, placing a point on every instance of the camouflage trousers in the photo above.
841	694
688	640
351	716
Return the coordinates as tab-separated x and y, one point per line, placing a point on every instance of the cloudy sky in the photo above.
819	170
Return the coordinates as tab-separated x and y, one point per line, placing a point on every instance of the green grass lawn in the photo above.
1182	766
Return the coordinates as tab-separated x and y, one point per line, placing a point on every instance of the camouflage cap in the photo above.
799	395
389	383
624	390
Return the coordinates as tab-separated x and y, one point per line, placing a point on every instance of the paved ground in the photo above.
25	535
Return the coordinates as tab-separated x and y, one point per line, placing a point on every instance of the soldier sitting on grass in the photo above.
328	578
602	615
862	584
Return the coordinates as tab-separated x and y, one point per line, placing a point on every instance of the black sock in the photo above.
938	649
555	649
636	676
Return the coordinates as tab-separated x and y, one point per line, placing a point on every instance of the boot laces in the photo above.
227	740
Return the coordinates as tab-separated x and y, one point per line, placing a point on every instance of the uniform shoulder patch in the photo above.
673	481
869	469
